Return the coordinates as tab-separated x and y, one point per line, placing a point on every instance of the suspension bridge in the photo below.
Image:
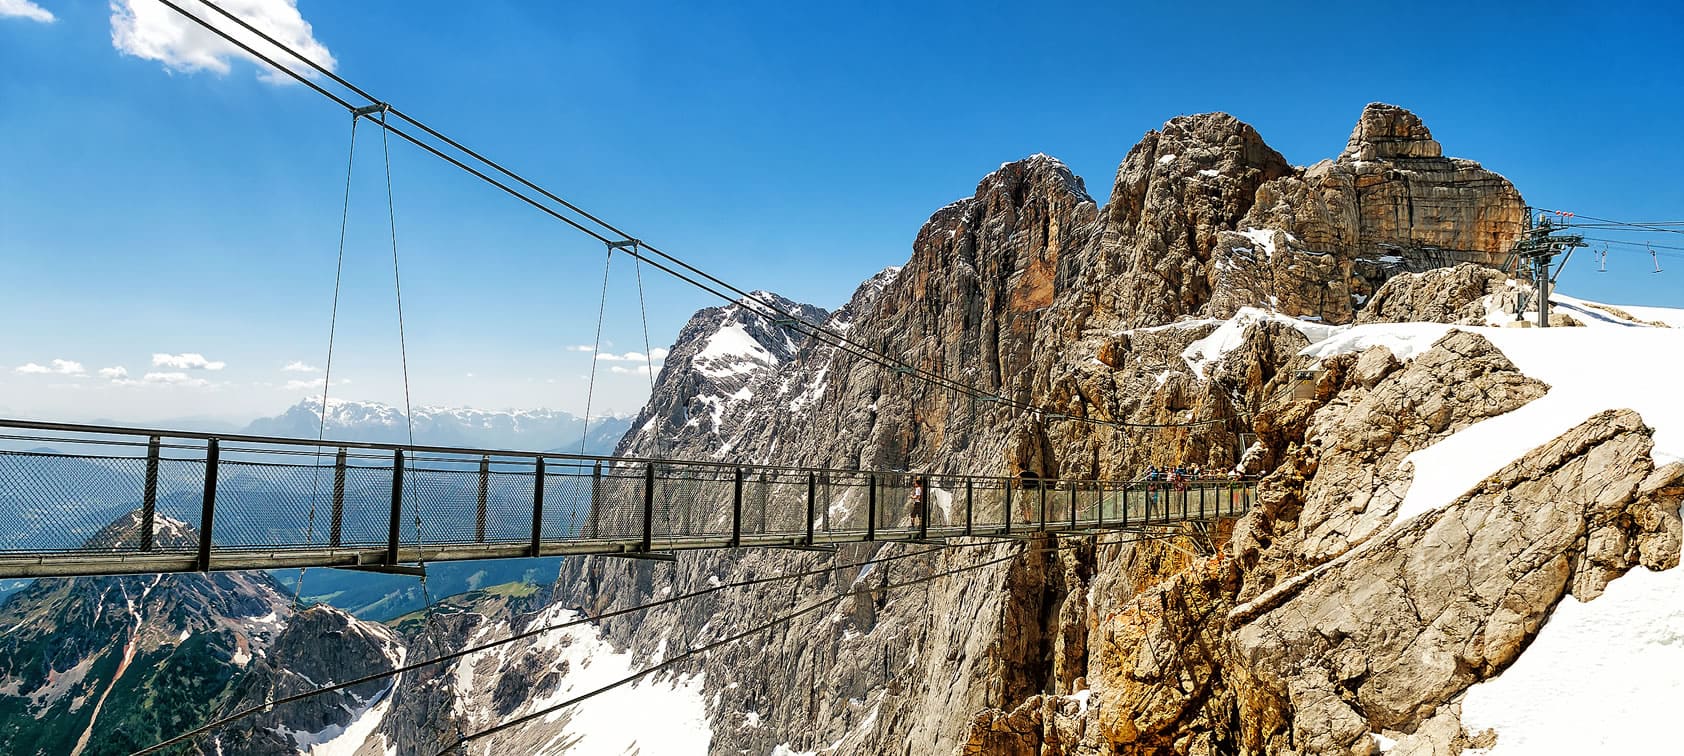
99	500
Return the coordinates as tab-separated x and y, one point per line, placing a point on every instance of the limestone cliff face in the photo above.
1390	203
1195	641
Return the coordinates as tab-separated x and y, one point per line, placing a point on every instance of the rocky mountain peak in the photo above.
718	356
1390	132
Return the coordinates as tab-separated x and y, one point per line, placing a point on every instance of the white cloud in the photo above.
639	370
58	367
146	29
174	379
655	355
297	366
114	373
314	384
186	361
25	9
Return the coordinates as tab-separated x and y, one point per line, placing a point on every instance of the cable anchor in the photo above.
366	110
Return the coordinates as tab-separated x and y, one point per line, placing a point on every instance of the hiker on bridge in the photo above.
916	501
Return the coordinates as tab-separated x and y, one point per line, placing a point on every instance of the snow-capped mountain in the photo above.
716	360
525	429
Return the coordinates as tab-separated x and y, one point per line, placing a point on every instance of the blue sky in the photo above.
149	212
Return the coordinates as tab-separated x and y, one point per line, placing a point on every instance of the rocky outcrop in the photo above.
1356	446
1464	294
320	646
1390	203
1392	631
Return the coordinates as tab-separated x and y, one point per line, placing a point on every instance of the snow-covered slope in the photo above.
1602	675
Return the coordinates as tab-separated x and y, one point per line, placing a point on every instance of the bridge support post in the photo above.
396	519
1202	489
969	494
812	505
484	486
923	484
149	495
335	531
737	508
871	508
1072	506
1042	489
649	508
594	519
207	510
537	507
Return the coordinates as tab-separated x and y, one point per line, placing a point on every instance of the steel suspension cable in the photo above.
403	358
780	620
327	374
792	321
242	714
1133	537
596	349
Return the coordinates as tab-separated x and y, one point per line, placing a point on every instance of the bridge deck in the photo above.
99	500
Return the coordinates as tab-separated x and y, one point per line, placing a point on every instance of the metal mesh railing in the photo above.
148	491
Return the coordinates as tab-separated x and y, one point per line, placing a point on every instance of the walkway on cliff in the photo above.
100	500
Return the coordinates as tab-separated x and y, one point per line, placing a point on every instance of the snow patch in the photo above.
1231	334
1616	661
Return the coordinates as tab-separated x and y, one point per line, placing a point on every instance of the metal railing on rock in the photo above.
92	500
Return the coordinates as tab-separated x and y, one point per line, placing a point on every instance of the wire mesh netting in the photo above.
275	496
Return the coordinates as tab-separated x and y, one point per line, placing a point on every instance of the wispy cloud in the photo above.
174	379
638	370
297	366
56	367
148	30
655	355
186	361
25	10
314	384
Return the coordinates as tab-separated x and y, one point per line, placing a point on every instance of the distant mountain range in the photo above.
527	430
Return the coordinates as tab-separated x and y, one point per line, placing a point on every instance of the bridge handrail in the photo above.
588	459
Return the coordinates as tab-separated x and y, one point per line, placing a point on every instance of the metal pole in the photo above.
923	484
1202	489
1072	505
1041	487
537	506
207	510
871	508
968	497
149	495
812	505
737	510
649	507
595	517
336	531
1126	505
484	487
397	508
